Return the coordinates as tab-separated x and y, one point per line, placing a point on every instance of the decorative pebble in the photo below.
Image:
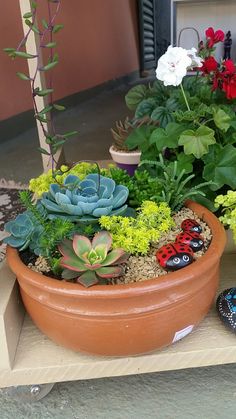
226	307
192	239
191	225
174	256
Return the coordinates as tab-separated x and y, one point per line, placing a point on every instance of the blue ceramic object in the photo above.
226	307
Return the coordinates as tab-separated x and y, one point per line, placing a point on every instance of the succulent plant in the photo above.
90	262
85	200
22	229
123	130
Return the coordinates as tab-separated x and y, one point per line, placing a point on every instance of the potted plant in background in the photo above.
98	278
124	157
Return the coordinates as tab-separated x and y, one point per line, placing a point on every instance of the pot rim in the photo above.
214	252
124	153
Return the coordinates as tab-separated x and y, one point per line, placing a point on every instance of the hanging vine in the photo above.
45	33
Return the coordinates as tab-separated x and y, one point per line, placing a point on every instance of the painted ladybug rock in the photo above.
192	239
226	307
174	256
191	225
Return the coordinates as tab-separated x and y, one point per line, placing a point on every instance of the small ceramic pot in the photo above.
124	319
125	160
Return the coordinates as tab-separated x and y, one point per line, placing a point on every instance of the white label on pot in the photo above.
182	333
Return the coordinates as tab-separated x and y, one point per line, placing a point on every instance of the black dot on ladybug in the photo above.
164	256
169	252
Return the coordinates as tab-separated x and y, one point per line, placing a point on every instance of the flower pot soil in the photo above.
129	319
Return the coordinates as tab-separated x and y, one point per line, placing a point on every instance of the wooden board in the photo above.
38	360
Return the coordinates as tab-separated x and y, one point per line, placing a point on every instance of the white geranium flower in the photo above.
173	65
196	61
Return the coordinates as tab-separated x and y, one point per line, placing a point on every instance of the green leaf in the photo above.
22	76
43	151
197	142
43	92
88	278
163	115
41	118
57	28
145	108
135	96
46	110
221	119
51	45
220	166
9	49
35	29
23	54
139	138
55	57
185	163
59	107
49	66
58	144
27	15
45	24
70	134
167	137
33	4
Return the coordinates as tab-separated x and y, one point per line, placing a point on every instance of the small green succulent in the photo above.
90	262
21	231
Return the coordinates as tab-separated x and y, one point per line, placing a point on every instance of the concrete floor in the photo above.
203	393
20	160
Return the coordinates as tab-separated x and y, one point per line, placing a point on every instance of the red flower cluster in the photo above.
222	76
213	37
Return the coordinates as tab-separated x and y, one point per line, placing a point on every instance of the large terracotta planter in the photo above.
124	319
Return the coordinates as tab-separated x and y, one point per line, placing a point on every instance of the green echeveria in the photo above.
21	230
85	200
90	261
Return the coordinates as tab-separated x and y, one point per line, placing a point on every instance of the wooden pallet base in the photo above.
38	360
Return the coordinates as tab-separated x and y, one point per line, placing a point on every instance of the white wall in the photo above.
203	14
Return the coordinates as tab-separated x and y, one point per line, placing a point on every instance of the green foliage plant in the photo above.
202	135
227	204
142	186
45	31
173	185
91	262
135	235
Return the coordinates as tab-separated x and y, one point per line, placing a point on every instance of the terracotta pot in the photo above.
124	319
126	161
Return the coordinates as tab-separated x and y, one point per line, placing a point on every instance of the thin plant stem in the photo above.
184	95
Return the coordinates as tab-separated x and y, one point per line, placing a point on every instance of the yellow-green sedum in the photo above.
228	204
135	235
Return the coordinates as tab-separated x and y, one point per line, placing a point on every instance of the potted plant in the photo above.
73	247
196	115
122	156
109	316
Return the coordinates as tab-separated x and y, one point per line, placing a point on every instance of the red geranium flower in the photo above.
214	36
229	86
209	64
229	67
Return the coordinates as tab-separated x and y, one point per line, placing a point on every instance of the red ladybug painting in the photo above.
192	239
191	225
174	256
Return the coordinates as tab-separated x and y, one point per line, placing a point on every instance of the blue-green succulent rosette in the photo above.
86	200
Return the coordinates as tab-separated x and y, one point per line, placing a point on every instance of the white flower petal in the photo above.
173	65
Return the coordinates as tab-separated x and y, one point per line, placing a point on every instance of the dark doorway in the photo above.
154	31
